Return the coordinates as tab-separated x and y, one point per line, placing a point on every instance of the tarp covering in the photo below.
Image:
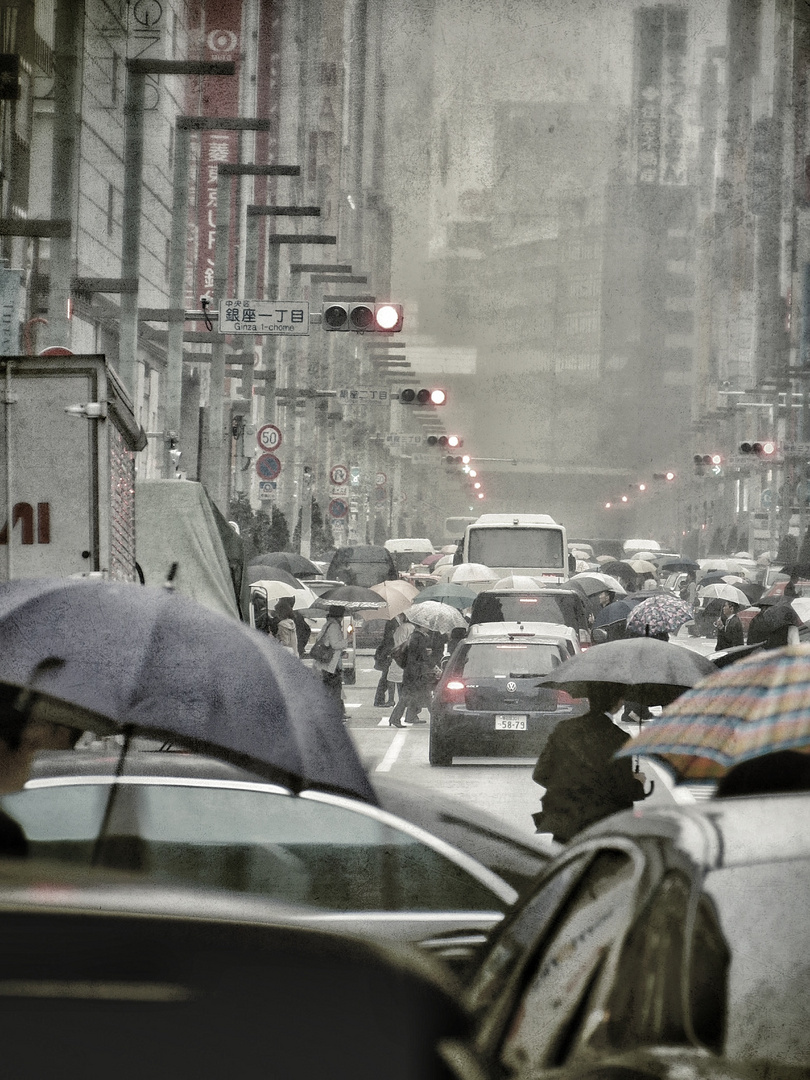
176	522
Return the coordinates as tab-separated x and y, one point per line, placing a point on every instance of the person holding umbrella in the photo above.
331	668
418	662
582	782
729	627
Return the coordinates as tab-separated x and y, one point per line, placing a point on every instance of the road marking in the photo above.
392	753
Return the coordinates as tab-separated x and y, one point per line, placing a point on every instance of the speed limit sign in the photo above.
269	437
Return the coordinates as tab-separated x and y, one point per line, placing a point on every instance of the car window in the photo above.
294	849
507	660
532	609
553	1003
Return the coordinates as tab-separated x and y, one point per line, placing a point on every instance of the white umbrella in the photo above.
518	581
644	556
801	605
432	615
473	571
303	597
632	546
642	566
722	591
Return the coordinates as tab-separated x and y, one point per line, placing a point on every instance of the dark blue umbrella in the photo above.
674	565
146	661
618	611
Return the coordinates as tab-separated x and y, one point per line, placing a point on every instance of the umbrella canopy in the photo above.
801	605
777	617
291	561
673	565
593	583
653	672
435	616
659	614
259	572
518	581
756	706
133	658
723	591
350	597
622	571
301	595
430	560
616	612
457	596
715	577
398	596
642	566
465	573
797	570
641	545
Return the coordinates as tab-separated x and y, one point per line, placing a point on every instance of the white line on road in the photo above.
392	753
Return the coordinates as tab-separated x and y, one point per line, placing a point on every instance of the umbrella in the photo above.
435	616
673	565
593	583
660	614
723	591
777	617
290	561
519	581
260	572
642	566
647	556
136	659
616	612
466	573
456	596
398	596
797	570
303	597
801	605
622	571
641	545
430	560
653	672
714	577
350	597
756	706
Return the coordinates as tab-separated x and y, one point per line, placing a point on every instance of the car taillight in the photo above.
564	698
453	692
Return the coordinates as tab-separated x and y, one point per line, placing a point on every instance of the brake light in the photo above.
453	692
565	699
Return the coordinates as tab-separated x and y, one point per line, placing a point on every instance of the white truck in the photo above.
524	544
67	469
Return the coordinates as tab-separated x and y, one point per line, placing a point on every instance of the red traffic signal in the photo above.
363	317
424	396
764	449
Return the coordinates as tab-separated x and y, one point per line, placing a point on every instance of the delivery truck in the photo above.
67	469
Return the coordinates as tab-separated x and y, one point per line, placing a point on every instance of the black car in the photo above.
664	942
364	565
488	699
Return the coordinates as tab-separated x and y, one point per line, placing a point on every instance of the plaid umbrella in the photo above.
659	614
753	707
435	616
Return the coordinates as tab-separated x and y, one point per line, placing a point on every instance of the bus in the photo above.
531	544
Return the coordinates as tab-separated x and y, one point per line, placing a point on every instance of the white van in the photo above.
531	544
407	550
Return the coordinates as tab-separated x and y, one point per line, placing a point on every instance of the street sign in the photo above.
376	395
766	498
268	467
338	490
380	479
354	475
798	449
339	475
263	317
338	508
267	489
269	437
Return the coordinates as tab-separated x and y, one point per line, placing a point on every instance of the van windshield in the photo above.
535	548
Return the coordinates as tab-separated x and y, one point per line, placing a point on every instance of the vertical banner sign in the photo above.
10	295
267	107
220	34
660	99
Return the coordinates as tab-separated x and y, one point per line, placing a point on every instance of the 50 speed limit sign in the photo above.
269	437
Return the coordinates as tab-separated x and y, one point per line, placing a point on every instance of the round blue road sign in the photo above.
268	466
338	508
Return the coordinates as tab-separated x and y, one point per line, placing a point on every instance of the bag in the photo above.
381	658
399	654
320	652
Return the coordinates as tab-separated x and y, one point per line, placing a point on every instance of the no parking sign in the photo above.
268	467
338	508
338	474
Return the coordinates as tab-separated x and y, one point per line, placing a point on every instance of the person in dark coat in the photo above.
419	674
729	627
583	782
384	694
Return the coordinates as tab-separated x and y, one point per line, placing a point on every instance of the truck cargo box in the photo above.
67	469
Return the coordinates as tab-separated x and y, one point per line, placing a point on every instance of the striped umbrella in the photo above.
659	614
756	706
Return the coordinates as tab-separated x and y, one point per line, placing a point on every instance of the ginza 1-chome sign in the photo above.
263	317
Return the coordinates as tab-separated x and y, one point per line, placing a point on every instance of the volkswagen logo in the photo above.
511	686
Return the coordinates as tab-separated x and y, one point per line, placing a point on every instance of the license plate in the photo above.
510	723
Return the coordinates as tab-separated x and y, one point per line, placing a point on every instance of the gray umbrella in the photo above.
142	660
653	672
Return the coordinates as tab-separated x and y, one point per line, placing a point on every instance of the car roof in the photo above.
722	832
537	631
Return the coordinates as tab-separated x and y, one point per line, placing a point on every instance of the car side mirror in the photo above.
599	636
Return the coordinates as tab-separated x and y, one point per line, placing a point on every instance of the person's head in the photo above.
605	597
605	697
730	609
335	612
29	724
284	607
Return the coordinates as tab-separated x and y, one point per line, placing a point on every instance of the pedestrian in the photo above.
384	694
419	674
729	627
285	624
331	669
395	670
583	783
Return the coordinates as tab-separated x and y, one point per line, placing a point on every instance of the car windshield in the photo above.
530	547
507	660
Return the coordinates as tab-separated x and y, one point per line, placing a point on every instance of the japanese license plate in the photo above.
510	723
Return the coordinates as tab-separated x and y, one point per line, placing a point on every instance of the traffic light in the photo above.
712	462
764	449
363	317
423	396
668	475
